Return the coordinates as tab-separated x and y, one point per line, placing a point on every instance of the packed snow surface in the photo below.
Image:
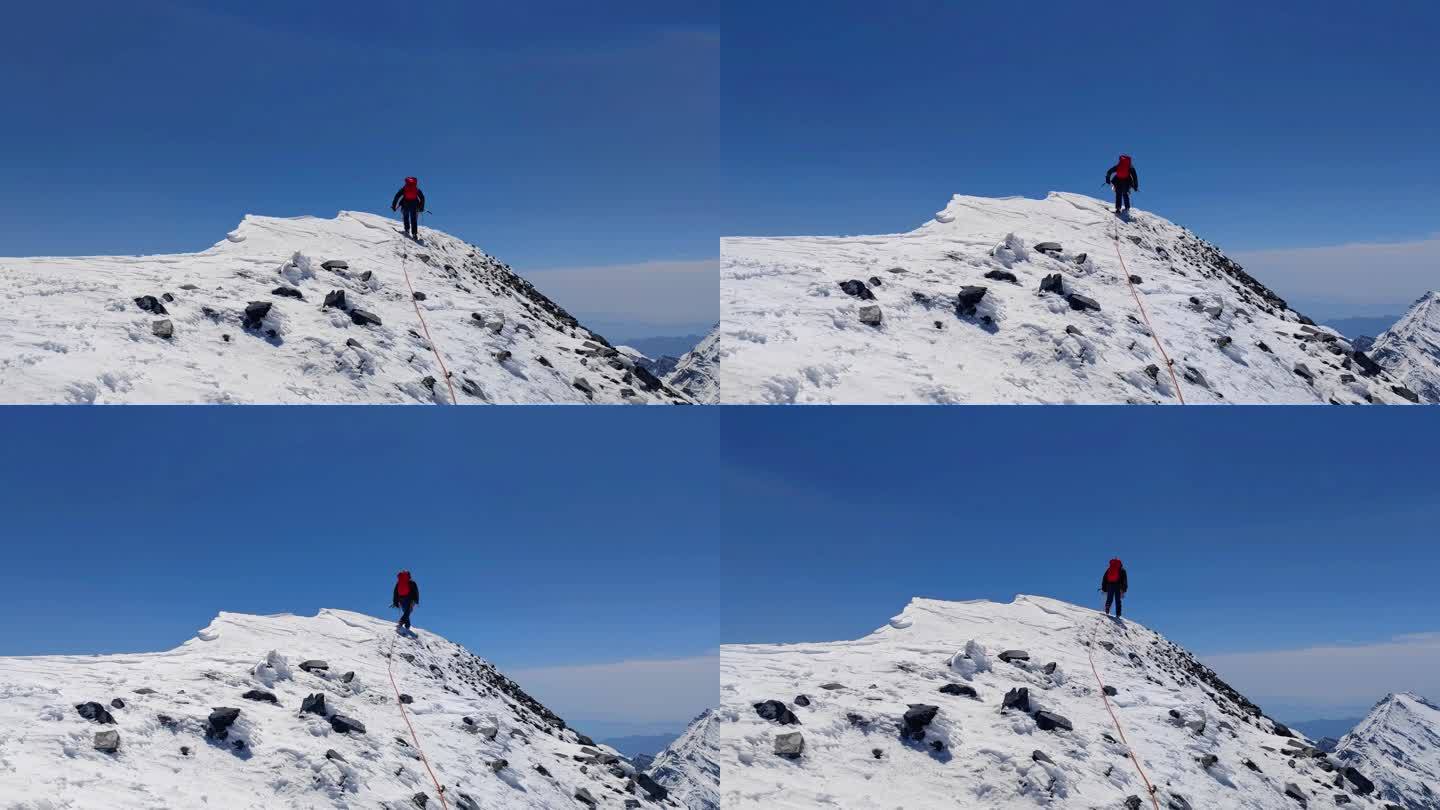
954	312
1398	744
951	667
341	325
1410	350
489	744
697	374
688	767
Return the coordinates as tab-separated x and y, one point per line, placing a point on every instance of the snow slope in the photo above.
1410	350
71	329
1398	745
790	334
490	744
688	767
850	700
698	372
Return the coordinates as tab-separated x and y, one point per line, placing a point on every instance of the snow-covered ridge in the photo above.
1021	301
1410	350
979	704
687	767
697	374
1399	743
319	725
301	310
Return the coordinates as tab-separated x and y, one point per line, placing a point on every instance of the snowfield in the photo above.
687	767
697	374
301	310
1017	300
490	744
986	705
1410	350
1399	742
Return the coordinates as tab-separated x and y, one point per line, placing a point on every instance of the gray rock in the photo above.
1018	699
1049	247
287	292
94	712
1293	791
1039	756
790	745
1080	302
331	753
107	742
260	695
313	665
917	718
584	386
163	329
336	299
857	288
345	725
335	264
1053	283
314	704
776	712
968	299
363	318
1049	721
1010	656
255	313
870	315
1002	275
217	726
584	796
959	689
151	304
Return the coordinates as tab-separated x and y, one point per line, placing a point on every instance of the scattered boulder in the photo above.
167	722
959	689
583	385
362	318
1017	698
1402	391
336	299
1110	690
117	703
777	712
1304	371
968	299
313	665
1053	283
857	288
917	717
1281	730
260	695
656	791
1132	802
331	753
163	329
1049	247
419	296
345	725
1368	367
94	712
1293	791
1002	275
420	799
832	686
1208	760
217	726
406	699
790	745
1223	341
255	313
802	700
1039	756
287	292
107	742
1362	785
335	264
870	315
1081	303
151	304
1049	721
584	796
874	281
1136	280
314	704
1011	656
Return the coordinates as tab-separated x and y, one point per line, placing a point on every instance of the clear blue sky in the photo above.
539	536
1258	125
1241	528
552	133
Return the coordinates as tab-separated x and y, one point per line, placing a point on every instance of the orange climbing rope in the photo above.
404	259
1169	365
1150	788
439	790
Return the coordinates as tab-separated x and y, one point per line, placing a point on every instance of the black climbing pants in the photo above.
412	217
1122	194
1116	596
406	605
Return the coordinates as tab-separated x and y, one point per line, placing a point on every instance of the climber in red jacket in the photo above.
412	200
1114	583
1123	178
406	596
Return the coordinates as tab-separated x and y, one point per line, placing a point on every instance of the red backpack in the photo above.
1113	574
1122	171
403	586
412	188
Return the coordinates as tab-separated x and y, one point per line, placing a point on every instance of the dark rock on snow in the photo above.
968	299
95	712
858	289
775	711
151	304
107	742
363	318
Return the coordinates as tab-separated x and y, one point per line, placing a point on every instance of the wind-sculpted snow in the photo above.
319	726
688	767
1020	301
1398	745
979	704
302	310
1410	350
697	374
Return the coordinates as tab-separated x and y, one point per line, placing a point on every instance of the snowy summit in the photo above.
302	310
1399	742
697	374
1410	349
288	711
980	704
1017	300
688	768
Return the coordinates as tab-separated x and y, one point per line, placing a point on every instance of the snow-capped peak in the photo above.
1021	300
302	310
1410	350
687	767
294	711
1398	745
697	374
980	704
